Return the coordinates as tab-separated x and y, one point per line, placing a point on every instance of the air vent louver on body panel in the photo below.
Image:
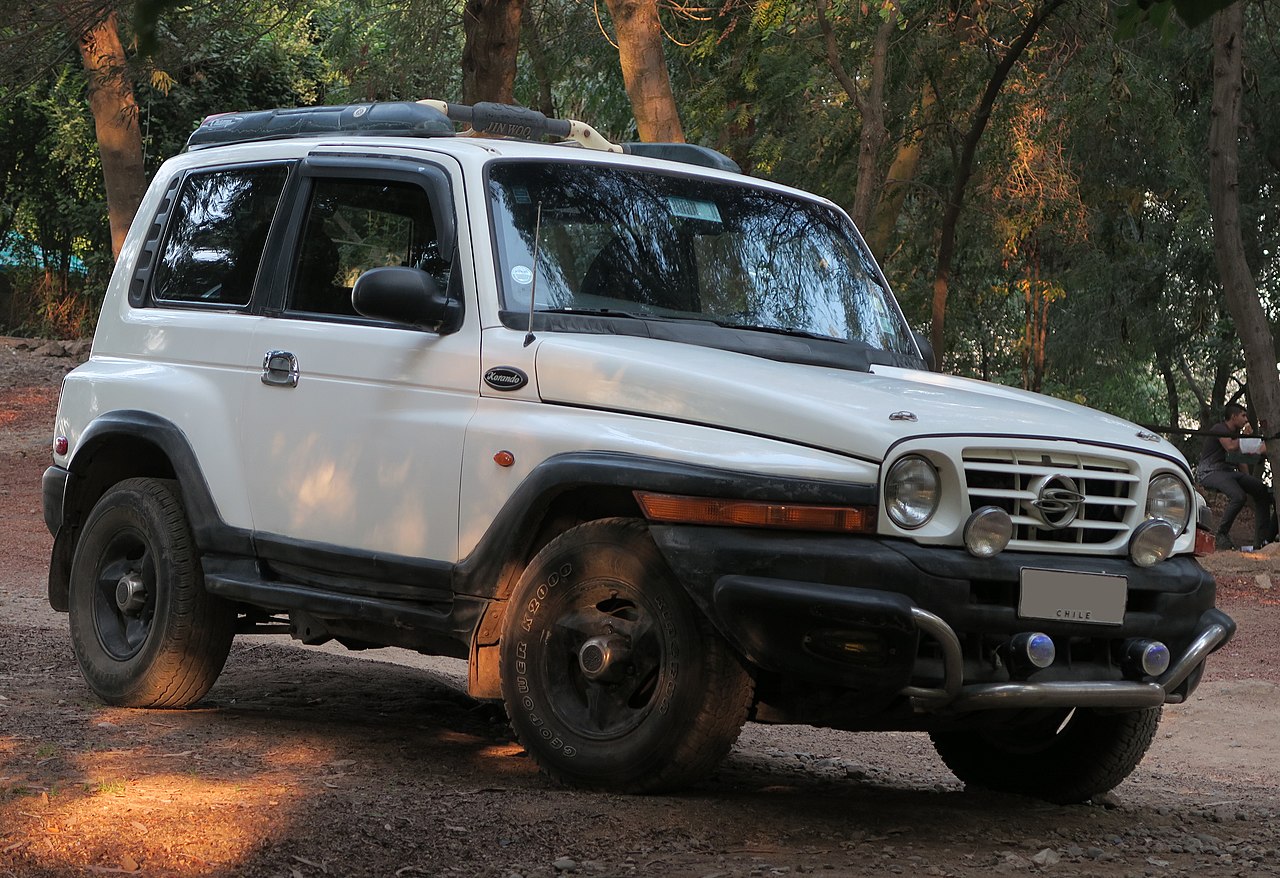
1055	497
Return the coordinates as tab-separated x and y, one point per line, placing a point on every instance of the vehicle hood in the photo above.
856	413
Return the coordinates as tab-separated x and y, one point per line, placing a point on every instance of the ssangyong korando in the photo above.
646	440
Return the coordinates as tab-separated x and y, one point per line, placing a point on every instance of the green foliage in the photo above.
52	211
566	56
212	60
1132	15
380	50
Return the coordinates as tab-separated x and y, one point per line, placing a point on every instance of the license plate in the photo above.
1066	596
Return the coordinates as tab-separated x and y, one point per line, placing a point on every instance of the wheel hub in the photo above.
604	657
131	594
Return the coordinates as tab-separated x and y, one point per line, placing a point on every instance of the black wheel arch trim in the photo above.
211	532
515	527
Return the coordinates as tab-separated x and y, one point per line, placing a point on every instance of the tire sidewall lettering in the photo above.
671	665
550	738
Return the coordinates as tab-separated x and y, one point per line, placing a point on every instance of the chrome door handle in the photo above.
280	369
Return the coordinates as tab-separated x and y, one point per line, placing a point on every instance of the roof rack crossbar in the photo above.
523	123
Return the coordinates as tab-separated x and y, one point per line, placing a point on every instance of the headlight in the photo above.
911	492
1169	500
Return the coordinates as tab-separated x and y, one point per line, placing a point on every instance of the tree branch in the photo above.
833	59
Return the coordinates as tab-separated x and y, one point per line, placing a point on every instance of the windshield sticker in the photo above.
522	274
693	209
521	195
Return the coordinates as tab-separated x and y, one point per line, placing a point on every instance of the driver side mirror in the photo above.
406	295
926	350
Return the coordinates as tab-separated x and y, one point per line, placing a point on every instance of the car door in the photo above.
353	428
177	347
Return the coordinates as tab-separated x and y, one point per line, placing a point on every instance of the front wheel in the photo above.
144	630
1060	756
611	677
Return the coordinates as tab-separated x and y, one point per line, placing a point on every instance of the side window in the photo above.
216	235
353	226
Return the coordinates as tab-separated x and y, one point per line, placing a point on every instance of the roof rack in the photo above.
399	118
432	118
523	123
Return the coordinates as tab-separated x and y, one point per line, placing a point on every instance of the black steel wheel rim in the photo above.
596	709
123	626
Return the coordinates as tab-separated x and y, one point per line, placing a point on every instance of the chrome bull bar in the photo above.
953	695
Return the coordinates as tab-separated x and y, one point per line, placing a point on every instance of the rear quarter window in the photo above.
213	248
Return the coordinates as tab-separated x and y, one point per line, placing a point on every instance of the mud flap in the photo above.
64	548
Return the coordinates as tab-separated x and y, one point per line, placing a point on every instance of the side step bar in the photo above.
430	628
286	596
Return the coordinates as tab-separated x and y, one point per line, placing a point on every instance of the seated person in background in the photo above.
1217	473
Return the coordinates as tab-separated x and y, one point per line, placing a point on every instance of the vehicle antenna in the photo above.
533	287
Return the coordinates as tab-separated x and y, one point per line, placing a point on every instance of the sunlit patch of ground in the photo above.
150	808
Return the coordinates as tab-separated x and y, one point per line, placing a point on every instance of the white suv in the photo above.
646	440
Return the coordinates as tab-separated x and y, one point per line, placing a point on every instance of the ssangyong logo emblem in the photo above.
505	378
1058	500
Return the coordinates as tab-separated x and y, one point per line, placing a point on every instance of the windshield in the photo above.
644	244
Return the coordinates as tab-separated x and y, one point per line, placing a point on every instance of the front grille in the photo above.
1037	489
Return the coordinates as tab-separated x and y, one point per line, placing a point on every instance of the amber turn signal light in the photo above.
681	509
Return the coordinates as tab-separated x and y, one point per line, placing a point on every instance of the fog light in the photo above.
987	532
1035	648
1152	542
1150	656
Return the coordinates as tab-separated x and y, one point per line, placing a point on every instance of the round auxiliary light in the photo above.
1169	500
987	532
911	491
1034	647
1151	656
1152	542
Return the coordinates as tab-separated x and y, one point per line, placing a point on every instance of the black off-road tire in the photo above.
1063	756
671	695
143	628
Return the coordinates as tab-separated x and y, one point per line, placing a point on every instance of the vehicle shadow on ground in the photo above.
298	757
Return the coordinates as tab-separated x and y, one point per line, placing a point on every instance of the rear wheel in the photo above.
144	630
611	677
1062	756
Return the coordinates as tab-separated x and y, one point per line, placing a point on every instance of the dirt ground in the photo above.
303	762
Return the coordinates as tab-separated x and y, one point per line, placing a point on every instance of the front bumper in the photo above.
887	620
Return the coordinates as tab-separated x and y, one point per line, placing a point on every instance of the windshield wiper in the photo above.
776	330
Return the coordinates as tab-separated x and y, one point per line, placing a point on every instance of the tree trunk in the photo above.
870	107
644	70
1027	310
872	139
537	52
115	121
1228	245
964	170
489	53
896	183
1165	366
